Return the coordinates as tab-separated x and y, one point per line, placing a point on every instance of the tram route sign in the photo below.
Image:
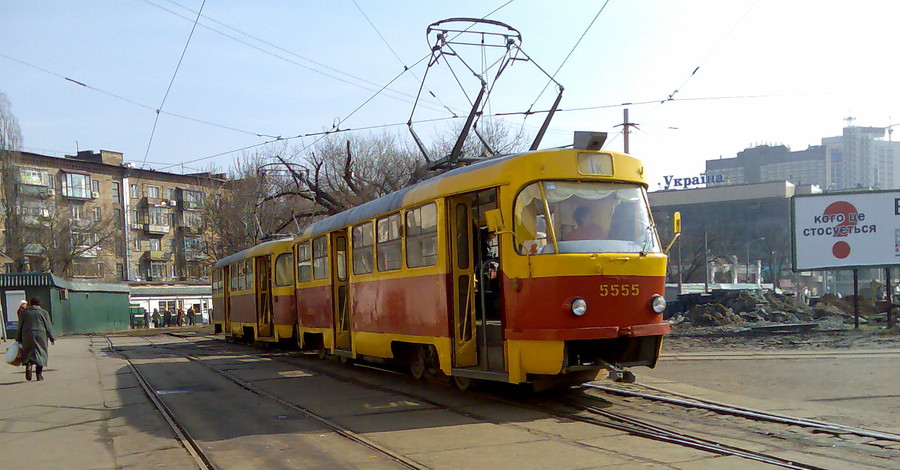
845	230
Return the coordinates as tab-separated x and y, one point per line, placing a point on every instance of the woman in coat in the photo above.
34	331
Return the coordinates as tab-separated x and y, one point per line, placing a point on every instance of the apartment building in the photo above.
96	217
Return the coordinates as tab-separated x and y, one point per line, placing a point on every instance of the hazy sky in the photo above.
788	72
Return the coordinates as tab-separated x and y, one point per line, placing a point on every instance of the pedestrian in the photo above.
22	306
190	316
146	318
167	317
34	331
2	324
179	318
157	319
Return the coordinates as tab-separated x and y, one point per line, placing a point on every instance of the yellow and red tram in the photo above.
540	267
253	293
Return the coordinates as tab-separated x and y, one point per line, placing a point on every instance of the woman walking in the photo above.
34	331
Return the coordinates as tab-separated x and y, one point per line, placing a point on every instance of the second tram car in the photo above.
541	267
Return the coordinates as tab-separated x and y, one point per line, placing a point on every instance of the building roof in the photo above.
147	291
734	193
20	280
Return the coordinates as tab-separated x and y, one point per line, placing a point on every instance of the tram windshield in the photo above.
585	217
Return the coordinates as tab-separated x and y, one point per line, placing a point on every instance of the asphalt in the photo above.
90	413
87	413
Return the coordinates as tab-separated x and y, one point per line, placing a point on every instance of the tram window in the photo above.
284	270
340	254
248	273
388	249
237	281
320	258
421	236
304	267
586	217
362	248
462	236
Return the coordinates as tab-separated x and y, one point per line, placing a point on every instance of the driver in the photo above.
593	220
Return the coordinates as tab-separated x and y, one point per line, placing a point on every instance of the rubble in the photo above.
755	307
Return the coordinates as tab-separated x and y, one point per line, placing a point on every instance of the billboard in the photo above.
845	230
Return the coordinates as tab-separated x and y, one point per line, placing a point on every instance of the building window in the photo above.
152	192
95	186
421	236
76	185
154	244
136	244
388	249
362	248
86	268
117	218
170	194
192	219
136	216
120	271
116	193
157	216
75	211
158	270
97	214
191	199
35	177
133	191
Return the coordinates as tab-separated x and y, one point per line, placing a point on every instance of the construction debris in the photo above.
758	308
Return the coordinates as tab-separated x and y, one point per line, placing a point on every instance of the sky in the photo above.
89	75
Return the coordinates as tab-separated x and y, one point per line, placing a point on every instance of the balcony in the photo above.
148	201
157	255
194	256
154	229
86	252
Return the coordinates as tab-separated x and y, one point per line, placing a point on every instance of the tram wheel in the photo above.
344	360
417	362
462	383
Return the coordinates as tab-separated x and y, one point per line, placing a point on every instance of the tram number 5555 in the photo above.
619	290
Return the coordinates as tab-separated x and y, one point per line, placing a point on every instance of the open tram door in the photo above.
264	319
462	270
340	294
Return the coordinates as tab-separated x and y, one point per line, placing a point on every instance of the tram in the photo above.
542	267
253	294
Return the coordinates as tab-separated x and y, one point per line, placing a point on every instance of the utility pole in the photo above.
626	128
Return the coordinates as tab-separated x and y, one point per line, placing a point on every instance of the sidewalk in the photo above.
88	413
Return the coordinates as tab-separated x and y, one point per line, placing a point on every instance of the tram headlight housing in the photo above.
579	306
658	303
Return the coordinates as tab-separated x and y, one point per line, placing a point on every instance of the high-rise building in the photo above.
93	216
860	158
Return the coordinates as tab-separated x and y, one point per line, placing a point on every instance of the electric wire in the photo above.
577	43
172	81
286	51
131	101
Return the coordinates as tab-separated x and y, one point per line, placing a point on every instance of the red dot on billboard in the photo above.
841	250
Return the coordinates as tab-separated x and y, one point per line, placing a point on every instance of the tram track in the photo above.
695	402
573	409
196	451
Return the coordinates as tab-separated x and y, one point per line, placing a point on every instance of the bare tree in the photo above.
10	142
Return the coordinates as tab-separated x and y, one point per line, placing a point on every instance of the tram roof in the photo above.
256	250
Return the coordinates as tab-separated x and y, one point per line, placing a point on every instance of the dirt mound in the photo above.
754	306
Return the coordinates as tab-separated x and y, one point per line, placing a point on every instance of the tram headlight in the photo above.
658	303
579	307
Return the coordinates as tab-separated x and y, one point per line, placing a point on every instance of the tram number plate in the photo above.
619	290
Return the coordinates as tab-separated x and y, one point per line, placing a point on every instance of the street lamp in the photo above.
748	257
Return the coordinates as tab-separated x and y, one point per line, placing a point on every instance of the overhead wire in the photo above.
172	81
286	51
129	100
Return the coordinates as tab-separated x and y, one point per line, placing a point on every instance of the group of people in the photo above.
35	329
169	317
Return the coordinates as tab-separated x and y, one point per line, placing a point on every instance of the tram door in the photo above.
264	325
226	293
465	346
340	291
